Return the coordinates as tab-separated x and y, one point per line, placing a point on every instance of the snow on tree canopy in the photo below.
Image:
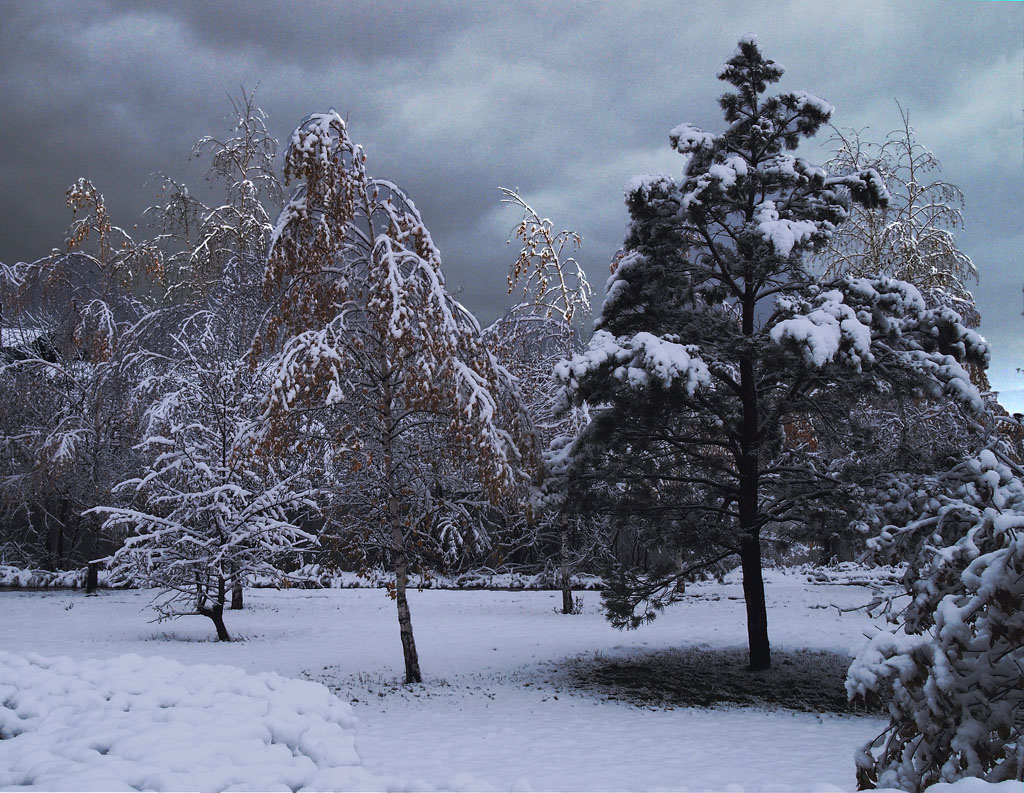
830	326
687	138
641	183
640	361
782	233
804	99
864	322
955	674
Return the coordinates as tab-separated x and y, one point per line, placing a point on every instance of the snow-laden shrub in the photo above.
30	578
315	576
954	669
155	724
854	574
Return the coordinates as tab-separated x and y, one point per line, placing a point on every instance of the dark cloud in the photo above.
564	101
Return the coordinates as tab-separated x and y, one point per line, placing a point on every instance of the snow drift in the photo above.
151	723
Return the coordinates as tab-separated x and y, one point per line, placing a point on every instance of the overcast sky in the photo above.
564	101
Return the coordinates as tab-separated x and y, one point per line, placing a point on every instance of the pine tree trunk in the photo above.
753	594
565	582
749	505
412	661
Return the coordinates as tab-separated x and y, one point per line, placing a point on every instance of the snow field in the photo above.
154	724
495	712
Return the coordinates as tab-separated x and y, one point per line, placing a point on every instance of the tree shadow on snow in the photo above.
802	680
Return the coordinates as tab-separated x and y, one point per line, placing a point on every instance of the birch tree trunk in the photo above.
401	561
412	661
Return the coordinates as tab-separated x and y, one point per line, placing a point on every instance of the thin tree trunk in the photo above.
563	535
412	661
237	600
92	576
401	561
55	538
61	554
216	611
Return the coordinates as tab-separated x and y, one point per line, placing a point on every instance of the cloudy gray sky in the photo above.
563	101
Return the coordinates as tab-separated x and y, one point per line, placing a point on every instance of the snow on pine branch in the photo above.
784	234
829	329
955	675
687	139
638	362
883	323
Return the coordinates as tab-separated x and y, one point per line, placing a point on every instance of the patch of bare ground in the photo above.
802	680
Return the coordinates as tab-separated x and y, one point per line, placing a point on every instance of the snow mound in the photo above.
155	724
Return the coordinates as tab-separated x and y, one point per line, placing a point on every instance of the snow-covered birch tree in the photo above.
546	325
381	362
714	337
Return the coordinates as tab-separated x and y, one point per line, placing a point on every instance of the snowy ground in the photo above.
498	709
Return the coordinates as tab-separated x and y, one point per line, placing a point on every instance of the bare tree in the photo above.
912	238
547	325
211	510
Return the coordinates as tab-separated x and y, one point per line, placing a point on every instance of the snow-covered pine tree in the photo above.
953	671
209	509
381	361
714	338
